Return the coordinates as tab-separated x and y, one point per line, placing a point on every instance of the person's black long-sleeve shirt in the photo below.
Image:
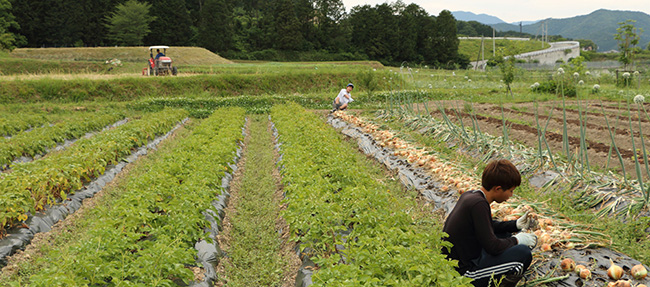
471	228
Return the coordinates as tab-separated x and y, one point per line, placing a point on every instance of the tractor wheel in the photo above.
174	71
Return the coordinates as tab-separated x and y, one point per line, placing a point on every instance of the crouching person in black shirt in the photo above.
485	249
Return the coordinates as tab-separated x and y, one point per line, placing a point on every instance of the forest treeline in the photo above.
284	30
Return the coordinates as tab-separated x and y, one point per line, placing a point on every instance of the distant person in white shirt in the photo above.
341	101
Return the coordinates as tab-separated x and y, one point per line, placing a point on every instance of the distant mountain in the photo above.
525	22
481	18
599	26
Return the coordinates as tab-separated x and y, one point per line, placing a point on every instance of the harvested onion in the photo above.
585	274
615	272
639	272
620	283
568	265
579	268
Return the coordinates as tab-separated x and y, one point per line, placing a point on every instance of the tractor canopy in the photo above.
158	47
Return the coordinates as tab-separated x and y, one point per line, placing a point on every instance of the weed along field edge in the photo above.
260	185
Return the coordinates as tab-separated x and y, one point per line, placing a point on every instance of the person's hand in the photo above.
524	221
527	239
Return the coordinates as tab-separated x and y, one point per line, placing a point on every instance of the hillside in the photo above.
598	26
180	55
472	48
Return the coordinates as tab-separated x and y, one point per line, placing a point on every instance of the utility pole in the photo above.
494	44
482	48
521	28
546	30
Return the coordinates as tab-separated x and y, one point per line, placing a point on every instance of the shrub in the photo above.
551	86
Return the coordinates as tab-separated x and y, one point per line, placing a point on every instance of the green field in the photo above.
472	48
250	165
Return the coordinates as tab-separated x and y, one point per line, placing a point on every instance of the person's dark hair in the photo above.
500	173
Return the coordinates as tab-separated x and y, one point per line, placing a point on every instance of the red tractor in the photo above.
159	65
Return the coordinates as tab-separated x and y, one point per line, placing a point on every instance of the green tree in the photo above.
408	34
446	40
172	25
305	14
364	21
507	68
329	13
465	29
628	37
587	44
287	26
216	26
7	21
129	24
93	30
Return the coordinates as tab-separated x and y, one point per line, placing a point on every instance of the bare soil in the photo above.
522	123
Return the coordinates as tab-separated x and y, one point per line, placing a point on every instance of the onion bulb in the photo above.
579	268
615	272
620	283
585	274
639	272
568	265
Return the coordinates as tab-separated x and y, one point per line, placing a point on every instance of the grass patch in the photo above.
472	48
180	55
254	253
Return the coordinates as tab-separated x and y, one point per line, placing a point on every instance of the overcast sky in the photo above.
522	10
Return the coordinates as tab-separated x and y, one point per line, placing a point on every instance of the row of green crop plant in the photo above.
31	186
12	124
358	231
203	106
41	139
144	234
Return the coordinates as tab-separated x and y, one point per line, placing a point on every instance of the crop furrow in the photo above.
29	147
30	187
553	136
145	232
250	236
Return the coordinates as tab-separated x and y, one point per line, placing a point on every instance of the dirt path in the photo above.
597	132
254	235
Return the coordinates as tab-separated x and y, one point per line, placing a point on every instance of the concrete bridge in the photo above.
558	51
